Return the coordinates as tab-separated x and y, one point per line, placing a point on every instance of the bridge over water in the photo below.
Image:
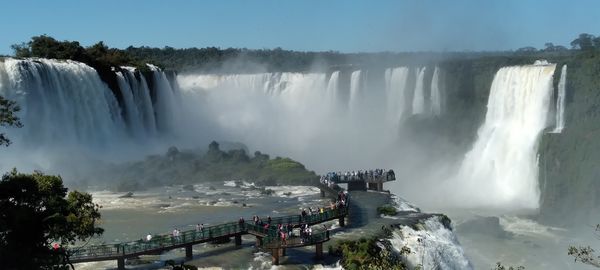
266	238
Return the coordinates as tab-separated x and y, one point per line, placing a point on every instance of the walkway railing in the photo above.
167	241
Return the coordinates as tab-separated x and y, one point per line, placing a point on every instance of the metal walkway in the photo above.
267	238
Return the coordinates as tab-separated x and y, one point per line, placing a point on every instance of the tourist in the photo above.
241	222
283	238
175	233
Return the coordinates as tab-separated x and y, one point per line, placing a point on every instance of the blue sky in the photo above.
346	26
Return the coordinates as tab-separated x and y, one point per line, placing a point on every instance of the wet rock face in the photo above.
483	225
568	161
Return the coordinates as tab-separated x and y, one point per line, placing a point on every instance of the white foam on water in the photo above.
262	260
336	266
528	227
433	246
230	183
402	205
293	191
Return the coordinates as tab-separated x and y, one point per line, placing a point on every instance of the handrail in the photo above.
208	233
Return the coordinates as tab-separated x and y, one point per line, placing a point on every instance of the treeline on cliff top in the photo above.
240	60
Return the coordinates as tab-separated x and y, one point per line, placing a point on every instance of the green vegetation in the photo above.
568	163
242	60
387	210
8	117
37	212
98	55
189	167
267	192
369	253
105	60
586	254
499	266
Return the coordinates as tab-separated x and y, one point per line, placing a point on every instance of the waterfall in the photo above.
396	87
436	98
419	98
560	101
142	100
500	170
132	115
65	103
333	87
166	102
61	102
355	88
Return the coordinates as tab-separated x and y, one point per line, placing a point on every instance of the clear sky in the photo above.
346	26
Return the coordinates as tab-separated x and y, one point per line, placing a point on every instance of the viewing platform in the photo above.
360	180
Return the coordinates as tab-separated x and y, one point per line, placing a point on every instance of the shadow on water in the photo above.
306	256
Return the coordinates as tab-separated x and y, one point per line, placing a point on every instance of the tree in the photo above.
35	212
21	50
527	49
583	42
550	47
8	117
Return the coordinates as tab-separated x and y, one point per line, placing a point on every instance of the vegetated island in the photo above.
177	167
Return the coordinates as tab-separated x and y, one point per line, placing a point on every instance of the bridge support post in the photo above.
319	248
322	193
342	221
188	252
238	239
380	186
259	241
121	263
276	256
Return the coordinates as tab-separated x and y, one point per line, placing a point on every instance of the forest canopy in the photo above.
241	60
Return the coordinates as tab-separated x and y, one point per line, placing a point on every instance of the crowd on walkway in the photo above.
284	231
359	175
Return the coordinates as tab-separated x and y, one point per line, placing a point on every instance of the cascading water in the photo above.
560	101
142	100
333	87
436	95
433	246
166	102
61	101
500	170
396	87
68	112
418	105
132	115
355	88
